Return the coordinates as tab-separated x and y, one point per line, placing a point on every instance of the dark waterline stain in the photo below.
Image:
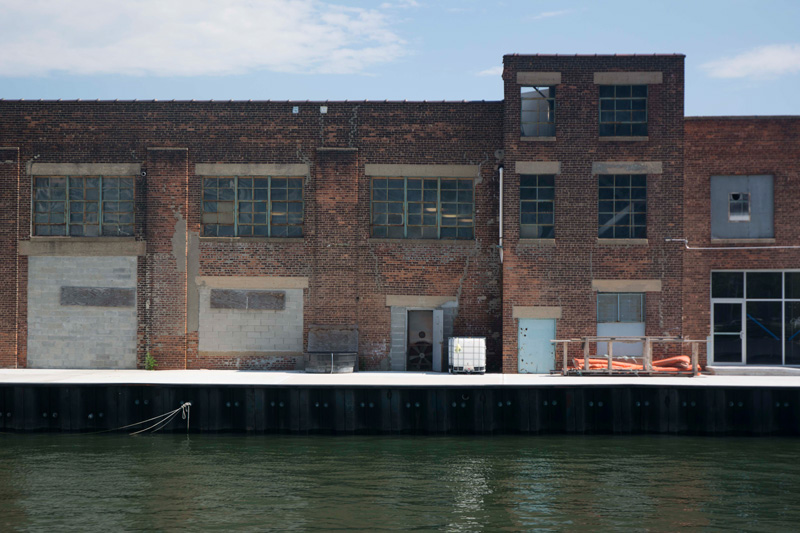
221	482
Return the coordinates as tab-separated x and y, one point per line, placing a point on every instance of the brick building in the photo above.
245	234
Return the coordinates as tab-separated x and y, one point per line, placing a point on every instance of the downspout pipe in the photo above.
500	243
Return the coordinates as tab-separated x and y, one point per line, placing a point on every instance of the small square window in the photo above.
739	207
538	116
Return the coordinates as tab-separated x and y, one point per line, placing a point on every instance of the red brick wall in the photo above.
560	275
364	271
9	174
736	146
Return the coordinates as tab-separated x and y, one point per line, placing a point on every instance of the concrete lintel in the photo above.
628	78
252	282
626	285
85	169
536	311
538	78
76	247
250	169
168	148
423	171
402	300
627	167
537	167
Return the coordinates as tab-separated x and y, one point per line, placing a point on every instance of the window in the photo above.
253	207
755	317
622	207
536	194
83	206
623	110
422	208
741	207
538	111
620	307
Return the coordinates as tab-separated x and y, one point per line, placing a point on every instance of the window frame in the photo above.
745	201
642	309
405	202
632	225
268	209
99	201
550	98
617	124
537	201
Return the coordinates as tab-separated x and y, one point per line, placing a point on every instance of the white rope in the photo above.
165	419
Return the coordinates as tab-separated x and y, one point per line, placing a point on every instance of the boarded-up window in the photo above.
98	296
242	299
742	207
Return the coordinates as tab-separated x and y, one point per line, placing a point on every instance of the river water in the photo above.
255	483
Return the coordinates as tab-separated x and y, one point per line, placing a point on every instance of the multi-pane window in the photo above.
538	111
422	208
253	207
622	207
623	110
83	206
536	195
620	307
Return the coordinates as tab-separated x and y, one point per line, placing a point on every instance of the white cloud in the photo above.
494	71
401	4
551	14
768	61
191	37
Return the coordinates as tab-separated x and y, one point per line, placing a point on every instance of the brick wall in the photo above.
736	146
347	280
559	273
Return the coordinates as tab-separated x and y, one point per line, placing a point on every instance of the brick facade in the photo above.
348	278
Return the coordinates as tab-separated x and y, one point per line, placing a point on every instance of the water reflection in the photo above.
95	483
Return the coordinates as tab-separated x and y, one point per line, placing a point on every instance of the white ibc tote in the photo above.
467	354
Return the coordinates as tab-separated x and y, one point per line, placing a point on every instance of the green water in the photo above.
169	482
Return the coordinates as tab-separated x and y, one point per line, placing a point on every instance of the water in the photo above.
168	482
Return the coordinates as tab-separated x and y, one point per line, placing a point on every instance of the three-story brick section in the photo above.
600	174
558	273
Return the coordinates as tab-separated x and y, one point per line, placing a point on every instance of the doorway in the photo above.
424	340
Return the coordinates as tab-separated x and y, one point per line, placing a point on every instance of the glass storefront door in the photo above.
755	317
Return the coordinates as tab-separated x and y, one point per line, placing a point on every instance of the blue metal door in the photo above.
536	354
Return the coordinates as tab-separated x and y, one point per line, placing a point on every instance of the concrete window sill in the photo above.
416	242
622	242
537	139
270	240
83	246
623	139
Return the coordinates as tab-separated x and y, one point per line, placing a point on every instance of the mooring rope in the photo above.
165	419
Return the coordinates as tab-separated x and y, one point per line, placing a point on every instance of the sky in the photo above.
743	57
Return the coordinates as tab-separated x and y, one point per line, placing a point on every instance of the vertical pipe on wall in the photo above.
500	243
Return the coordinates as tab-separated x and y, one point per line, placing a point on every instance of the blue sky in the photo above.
743	57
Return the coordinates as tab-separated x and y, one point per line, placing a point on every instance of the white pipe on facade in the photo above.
500	245
766	247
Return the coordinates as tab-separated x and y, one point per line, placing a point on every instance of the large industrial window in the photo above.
253	207
622	207
536	195
538	111
83	206
623	110
422	208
